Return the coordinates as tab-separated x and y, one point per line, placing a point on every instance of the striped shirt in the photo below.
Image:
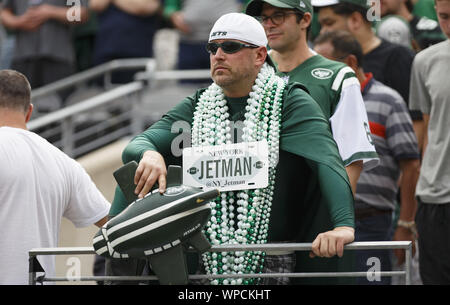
394	139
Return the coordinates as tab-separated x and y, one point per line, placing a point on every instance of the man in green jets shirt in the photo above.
306	174
333	86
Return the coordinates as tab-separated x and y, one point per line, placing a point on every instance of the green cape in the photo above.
312	193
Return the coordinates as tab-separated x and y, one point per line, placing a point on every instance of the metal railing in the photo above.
382	245
129	115
96	121
172	75
104	70
76	129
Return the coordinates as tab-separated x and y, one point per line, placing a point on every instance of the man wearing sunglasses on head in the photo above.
333	85
305	171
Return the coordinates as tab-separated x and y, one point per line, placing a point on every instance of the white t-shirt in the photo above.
430	93
39	185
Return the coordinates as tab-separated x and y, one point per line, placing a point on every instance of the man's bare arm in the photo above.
354	171
101	222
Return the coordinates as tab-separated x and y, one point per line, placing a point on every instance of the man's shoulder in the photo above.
320	60
296	88
322	71
21	141
13	132
324	68
296	91
297	96
433	51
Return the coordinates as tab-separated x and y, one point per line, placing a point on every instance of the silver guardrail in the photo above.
104	70
66	117
120	105
94	122
164	75
373	245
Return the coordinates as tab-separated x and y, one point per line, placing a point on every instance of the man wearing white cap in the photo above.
305	171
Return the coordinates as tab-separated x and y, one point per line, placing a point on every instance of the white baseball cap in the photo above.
324	2
320	3
239	26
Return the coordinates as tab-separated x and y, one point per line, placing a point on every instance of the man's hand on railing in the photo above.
331	243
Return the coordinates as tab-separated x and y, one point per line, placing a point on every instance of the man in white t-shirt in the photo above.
39	185
430	93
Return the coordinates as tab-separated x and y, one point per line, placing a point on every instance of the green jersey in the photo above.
305	141
310	176
334	86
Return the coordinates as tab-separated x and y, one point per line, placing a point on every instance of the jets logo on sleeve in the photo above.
322	73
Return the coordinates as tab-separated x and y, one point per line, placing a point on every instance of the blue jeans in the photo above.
374	228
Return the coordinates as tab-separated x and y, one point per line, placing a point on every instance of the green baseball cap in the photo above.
319	3
254	8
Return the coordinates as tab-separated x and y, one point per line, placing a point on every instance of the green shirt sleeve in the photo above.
306	133
159	137
336	195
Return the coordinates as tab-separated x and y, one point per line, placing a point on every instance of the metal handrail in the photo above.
377	245
84	76
173	75
104	98
61	125
106	69
85	105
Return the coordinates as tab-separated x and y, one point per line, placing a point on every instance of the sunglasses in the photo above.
228	47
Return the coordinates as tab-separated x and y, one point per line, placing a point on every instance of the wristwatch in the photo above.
410	225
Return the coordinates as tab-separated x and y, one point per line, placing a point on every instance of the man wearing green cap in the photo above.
330	83
389	63
334	87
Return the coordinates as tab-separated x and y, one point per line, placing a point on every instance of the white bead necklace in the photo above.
240	217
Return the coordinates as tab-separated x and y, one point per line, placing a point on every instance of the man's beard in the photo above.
228	80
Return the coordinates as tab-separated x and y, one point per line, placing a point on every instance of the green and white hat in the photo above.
254	8
320	3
